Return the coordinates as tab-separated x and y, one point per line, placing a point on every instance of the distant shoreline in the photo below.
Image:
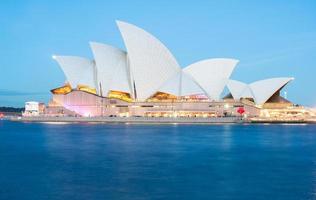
6	109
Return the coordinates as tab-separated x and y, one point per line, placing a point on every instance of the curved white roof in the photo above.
151	63
112	70
264	89
239	89
246	93
172	86
150	67
212	74
181	85
236	88
78	70
189	86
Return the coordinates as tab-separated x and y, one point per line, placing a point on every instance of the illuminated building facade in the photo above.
146	80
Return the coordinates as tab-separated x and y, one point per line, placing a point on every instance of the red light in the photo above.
241	110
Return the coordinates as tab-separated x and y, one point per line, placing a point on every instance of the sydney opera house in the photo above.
145	80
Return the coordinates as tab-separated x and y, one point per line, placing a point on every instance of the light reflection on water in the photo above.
128	161
56	123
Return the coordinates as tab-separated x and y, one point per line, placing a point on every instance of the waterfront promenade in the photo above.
150	120
161	120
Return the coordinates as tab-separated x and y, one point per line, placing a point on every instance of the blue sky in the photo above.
270	38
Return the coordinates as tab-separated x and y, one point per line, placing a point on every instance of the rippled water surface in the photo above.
118	161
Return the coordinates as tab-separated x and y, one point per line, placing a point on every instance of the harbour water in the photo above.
125	161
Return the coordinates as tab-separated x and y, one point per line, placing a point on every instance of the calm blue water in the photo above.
99	161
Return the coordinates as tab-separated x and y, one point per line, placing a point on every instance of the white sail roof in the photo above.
112	69
78	70
181	84
264	89
260	91
150	67
246	93
151	63
239	89
172	86
212	74
189	86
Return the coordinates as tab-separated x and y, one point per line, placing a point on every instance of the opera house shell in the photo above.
146	80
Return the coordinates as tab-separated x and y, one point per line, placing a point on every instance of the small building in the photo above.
33	108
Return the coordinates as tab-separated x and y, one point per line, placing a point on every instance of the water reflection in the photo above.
128	161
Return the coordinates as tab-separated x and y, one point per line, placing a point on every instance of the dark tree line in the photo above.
11	109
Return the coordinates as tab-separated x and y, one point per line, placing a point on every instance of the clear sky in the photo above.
271	38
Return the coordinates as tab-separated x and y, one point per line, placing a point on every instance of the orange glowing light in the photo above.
120	95
62	90
87	89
